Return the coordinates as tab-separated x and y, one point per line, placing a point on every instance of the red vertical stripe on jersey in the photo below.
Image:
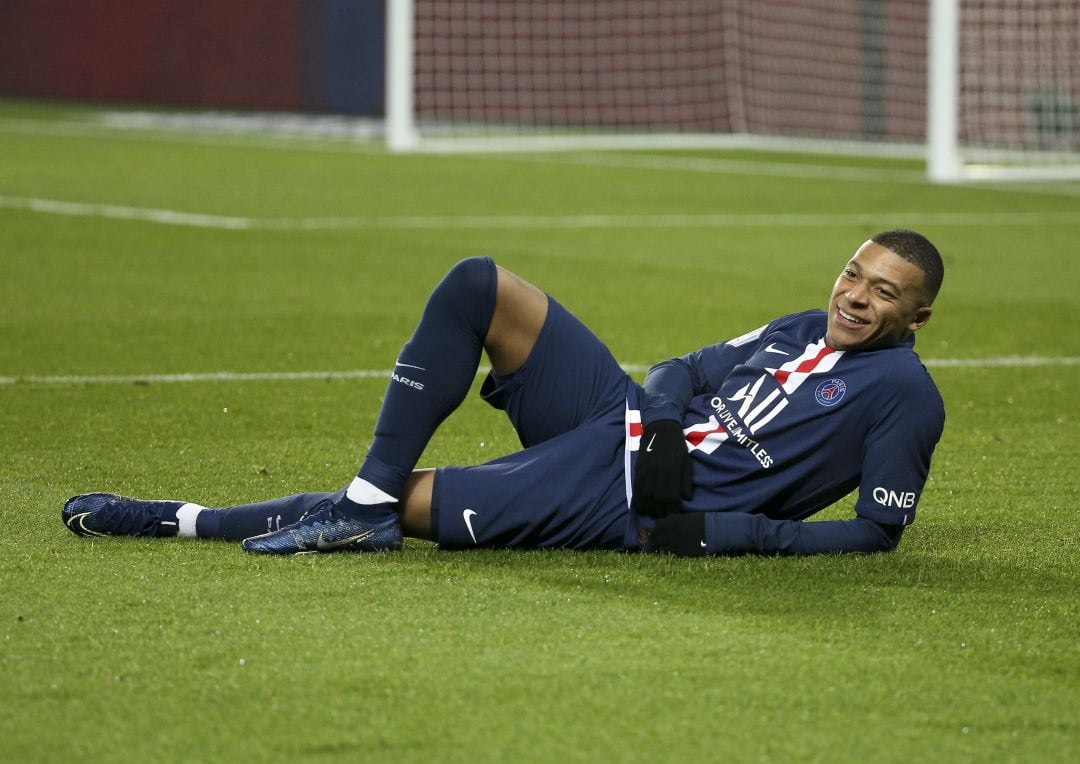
805	367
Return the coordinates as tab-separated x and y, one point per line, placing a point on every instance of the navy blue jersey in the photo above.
780	424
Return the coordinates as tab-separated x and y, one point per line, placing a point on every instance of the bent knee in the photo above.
474	275
466	295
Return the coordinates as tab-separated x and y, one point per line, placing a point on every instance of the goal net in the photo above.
808	74
1017	90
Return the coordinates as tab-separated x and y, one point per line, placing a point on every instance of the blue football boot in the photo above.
332	530
106	514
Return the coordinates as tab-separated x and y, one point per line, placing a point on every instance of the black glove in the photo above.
664	474
682	534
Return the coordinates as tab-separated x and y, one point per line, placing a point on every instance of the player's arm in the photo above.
694	534
663	477
670	385
896	462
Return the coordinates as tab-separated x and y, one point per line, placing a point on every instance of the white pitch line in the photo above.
120	212
1012	362
273	376
496	222
212	376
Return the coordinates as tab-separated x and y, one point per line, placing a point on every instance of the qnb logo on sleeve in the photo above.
898	499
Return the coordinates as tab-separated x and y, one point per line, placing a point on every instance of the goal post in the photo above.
1003	90
400	117
982	89
943	163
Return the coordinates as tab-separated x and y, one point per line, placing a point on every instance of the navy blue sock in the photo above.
247	520
433	372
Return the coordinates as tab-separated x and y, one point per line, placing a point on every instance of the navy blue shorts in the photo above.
567	489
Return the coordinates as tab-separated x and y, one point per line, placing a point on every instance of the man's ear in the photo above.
921	318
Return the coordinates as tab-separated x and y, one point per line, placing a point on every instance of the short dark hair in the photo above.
916	249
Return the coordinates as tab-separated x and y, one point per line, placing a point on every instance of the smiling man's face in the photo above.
878	300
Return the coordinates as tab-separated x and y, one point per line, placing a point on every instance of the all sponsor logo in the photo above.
830	392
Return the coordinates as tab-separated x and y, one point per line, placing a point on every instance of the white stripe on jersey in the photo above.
815	359
633	428
706	436
748	337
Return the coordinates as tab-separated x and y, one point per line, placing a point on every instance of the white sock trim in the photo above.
185	520
363	492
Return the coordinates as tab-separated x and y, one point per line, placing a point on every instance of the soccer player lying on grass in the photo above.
723	451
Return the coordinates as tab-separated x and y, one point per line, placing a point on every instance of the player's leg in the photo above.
414	511
476	307
520	311
567	400
105	514
568	378
568	492
247	520
549	372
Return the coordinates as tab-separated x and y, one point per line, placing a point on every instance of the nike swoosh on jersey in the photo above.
771	348
468	516
325	546
652	440
409	366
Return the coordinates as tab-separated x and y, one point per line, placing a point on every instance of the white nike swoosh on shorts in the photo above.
467	515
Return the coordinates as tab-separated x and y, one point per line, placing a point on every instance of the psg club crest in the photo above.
829	392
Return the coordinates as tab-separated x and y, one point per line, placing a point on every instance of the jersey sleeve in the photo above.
670	385
739	533
897	451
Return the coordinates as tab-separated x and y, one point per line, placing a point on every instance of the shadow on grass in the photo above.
938	566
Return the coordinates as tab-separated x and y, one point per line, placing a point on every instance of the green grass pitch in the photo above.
963	645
